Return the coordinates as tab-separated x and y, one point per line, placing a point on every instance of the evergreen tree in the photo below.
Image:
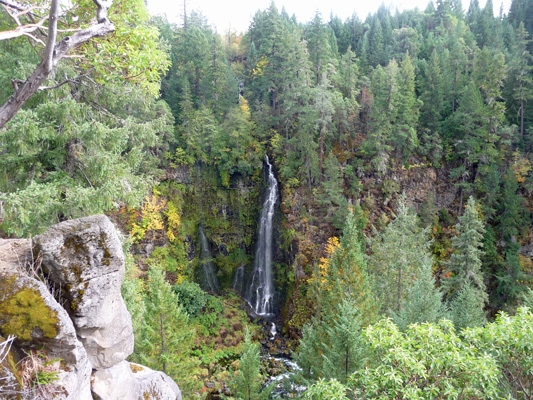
465	262
511	220
345	348
376	43
432	94
422	302
405	138
247	384
343	275
467	308
331	348
383	113
166	335
521	11
318	44
521	80
398	255
332	196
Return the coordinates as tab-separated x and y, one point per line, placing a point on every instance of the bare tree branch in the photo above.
53	53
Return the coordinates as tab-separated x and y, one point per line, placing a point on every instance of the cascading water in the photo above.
209	280
260	292
238	280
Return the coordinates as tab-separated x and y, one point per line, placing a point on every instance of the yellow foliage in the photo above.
245	108
260	67
320	277
173	221
151	218
521	167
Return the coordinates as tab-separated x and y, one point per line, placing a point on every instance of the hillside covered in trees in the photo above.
401	147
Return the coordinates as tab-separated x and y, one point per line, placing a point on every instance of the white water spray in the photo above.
260	292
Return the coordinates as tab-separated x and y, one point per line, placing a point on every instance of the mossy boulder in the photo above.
83	259
29	312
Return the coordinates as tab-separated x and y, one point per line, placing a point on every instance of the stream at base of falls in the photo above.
277	364
282	387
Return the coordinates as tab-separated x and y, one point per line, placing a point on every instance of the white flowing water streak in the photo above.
210	281
238	280
260	293
273	331
280	389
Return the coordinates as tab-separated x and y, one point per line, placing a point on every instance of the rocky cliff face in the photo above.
60	298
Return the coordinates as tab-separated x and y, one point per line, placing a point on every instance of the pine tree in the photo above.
398	255
467	308
520	69
166	336
247	384
465	262
332	348
422	302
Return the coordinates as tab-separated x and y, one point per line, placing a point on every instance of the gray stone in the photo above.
128	381
45	323
84	260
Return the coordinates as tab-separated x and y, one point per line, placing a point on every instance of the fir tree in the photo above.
331	348
467	308
166	336
398	254
247	384
422	303
511	220
344	349
465	262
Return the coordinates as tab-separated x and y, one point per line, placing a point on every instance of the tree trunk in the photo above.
163	350
522	120
53	53
454	90
399	289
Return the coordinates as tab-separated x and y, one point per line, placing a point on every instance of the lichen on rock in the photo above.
23	312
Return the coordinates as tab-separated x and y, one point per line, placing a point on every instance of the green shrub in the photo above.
192	297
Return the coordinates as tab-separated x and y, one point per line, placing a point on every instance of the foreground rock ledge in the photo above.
91	329
131	381
85	257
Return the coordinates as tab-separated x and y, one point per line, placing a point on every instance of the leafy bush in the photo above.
191	296
510	341
209	319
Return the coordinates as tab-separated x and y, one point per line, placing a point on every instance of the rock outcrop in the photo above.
61	294
131	381
85	258
30	312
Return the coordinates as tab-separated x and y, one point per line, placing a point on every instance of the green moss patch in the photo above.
24	313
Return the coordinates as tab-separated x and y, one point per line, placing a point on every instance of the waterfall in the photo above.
260	291
238	280
209	279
